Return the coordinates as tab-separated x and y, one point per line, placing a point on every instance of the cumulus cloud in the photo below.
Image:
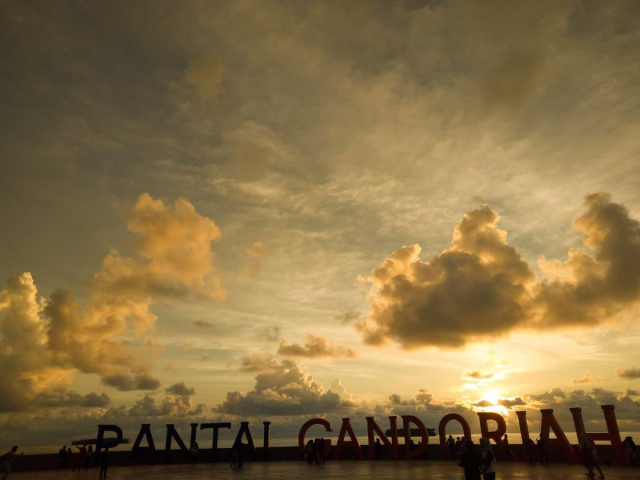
180	389
629	373
315	347
170	406
481	287
43	342
283	390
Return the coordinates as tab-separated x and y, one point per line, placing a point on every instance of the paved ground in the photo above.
344	469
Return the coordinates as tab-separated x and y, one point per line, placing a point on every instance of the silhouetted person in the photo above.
104	462
81	458
321	452
458	448
531	451
88	459
7	461
630	452
62	456
589	454
507	447
451	443
309	452
316	451
469	462
194	450
542	451
68	458
377	452
240	454
488	466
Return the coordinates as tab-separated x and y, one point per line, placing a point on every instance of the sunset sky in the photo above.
249	210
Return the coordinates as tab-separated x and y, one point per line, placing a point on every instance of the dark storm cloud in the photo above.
481	287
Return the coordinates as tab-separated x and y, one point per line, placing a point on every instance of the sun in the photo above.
489	402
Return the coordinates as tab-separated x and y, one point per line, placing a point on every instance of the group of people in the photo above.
536	451
67	459
314	451
477	465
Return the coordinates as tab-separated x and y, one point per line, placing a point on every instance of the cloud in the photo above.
171	406
514	81
257	363
255	253
349	317
587	378
43	342
64	398
126	383
629	373
315	347
180	389
269	333
478	375
475	289
202	324
284	390
480	287
591	288
205	74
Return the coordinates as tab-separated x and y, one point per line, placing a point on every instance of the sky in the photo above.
284	210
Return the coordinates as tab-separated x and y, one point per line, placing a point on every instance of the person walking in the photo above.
7	460
589	455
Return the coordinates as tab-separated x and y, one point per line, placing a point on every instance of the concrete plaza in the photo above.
351	470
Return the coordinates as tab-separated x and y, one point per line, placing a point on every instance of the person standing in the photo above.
88	458
531	451
81	458
194	450
469	462
62	456
104	462
488	465
451	444
630	453
507	448
542	451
